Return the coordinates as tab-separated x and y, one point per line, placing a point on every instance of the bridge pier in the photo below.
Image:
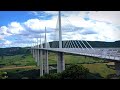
60	62
33	53
38	58
117	68
41	62
35	56
46	65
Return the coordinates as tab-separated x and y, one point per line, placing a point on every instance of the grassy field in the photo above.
74	59
99	68
27	60
17	60
94	65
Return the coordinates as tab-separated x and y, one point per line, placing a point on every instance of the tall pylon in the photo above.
60	61
46	66
45	39
60	31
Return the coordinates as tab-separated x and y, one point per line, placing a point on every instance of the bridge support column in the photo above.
38	58
32	51
35	55
41	62
117	68
46	65
60	62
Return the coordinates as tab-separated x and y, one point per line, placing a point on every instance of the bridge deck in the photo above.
103	53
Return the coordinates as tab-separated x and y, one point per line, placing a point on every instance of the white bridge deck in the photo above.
103	53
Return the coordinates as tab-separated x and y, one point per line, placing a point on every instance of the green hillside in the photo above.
13	51
95	44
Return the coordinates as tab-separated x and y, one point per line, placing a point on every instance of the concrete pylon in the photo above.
38	53
41	58
46	64
38	57
35	54
117	68
32	53
41	63
60	62
60	31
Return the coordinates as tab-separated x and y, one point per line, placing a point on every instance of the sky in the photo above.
21	28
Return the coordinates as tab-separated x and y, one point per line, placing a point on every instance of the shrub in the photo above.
3	75
51	76
75	72
71	72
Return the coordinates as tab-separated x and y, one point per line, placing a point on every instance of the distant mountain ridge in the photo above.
94	44
13	51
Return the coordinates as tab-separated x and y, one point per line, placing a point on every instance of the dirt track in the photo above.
7	68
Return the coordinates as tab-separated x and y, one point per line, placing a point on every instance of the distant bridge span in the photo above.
102	53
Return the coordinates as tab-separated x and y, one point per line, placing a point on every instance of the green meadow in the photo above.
95	65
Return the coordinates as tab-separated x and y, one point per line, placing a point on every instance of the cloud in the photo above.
1	37
34	12
44	15
38	25
76	25
4	31
106	16
7	42
54	13
87	31
14	28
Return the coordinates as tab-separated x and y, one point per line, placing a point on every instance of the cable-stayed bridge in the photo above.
75	47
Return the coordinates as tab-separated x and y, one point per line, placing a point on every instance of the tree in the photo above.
71	72
75	72
3	75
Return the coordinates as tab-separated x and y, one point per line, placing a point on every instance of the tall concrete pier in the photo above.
46	65
117	68
60	62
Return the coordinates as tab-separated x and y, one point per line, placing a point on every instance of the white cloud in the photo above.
37	24
51	12
7	42
106	16
74	26
15	28
1	37
34	12
4	31
34	24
